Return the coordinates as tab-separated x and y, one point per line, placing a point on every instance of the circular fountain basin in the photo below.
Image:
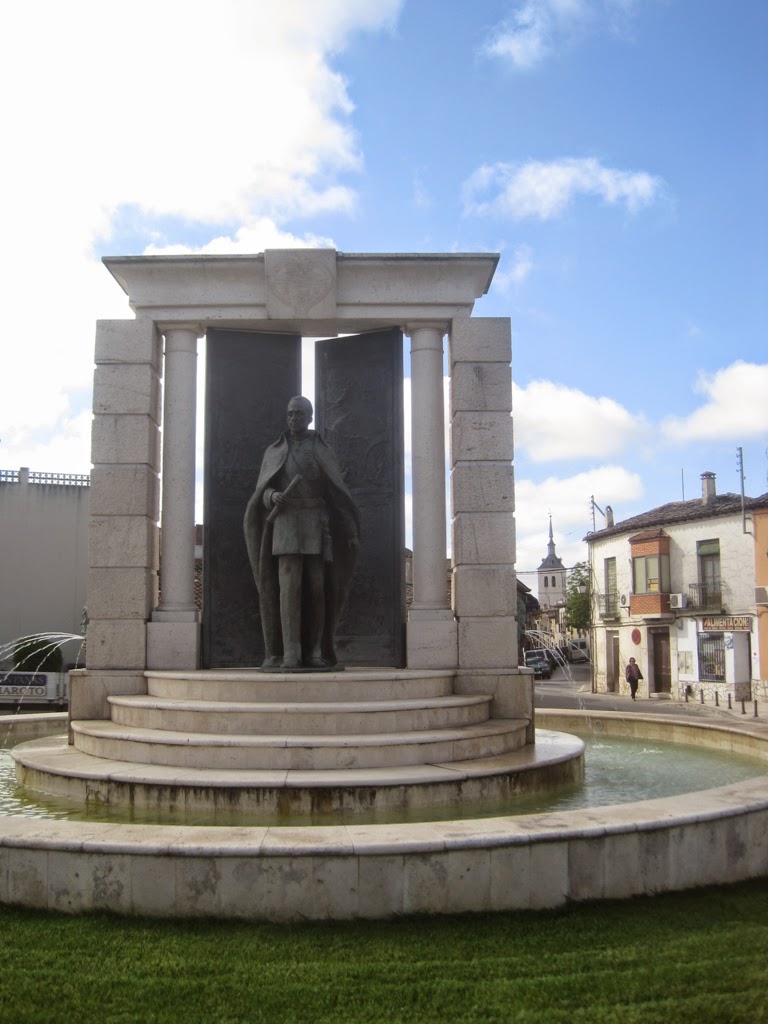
377	871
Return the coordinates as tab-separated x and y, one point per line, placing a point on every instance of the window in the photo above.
708	554
611	587
712	657
650	574
546	581
554	582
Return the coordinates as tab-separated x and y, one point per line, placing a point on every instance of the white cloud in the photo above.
545	190
539	29
509	277
567	499
68	450
553	421
736	407
257	236
228	115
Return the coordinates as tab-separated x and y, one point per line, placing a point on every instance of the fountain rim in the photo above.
425	837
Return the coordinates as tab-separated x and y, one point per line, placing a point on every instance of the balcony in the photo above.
706	597
650	606
609	606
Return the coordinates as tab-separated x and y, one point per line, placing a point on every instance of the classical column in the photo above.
173	635
431	625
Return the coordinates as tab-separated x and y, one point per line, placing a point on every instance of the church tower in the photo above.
551	574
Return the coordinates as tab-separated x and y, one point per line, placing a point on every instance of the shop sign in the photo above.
730	623
23	684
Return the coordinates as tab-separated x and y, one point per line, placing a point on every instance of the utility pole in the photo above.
740	465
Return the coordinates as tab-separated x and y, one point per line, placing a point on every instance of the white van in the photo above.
577	650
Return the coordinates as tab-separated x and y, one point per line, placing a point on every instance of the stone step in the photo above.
49	765
307	718
252	685
298	752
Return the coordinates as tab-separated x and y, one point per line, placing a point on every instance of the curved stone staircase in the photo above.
294	744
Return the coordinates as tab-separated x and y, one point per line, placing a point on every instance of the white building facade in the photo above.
674	588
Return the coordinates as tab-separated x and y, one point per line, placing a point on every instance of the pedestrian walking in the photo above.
634	675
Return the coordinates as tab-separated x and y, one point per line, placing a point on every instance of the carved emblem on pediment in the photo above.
300	283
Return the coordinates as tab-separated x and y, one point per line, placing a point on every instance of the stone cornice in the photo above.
369	290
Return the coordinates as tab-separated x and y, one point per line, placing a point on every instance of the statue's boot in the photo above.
292	656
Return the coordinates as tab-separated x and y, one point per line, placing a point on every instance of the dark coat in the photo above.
344	527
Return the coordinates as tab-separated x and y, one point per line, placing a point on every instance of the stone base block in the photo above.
483	387
431	639
125	440
476	339
173	644
481	436
128	341
483	538
119	644
512	692
489	642
88	691
483	487
485	590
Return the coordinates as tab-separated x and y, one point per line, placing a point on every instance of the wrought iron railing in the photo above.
609	606
709	597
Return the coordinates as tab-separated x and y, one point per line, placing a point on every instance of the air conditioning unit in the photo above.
761	595
678	600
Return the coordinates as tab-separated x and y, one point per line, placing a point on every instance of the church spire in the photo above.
551	575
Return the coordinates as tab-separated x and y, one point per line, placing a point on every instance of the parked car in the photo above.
555	657
539	662
577	650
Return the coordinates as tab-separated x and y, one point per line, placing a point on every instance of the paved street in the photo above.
570	688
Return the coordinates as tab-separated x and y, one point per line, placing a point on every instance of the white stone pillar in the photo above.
485	585
124	505
173	636
431	624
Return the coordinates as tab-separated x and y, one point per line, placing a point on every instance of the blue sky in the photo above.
615	152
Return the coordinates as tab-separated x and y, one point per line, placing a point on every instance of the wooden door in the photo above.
662	670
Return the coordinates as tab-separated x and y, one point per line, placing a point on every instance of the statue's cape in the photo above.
344	525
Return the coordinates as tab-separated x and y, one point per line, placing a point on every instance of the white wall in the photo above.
43	558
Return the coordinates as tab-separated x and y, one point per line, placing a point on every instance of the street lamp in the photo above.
582	589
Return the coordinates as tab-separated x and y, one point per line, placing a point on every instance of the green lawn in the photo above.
697	956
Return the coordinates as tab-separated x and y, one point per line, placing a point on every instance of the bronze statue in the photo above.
302	533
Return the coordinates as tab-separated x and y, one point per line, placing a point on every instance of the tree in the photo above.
38	652
577	611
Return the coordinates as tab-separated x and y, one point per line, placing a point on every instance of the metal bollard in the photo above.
756	715
743	709
686	695
729	702
701	695
717	699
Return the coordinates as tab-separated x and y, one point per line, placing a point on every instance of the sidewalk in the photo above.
561	692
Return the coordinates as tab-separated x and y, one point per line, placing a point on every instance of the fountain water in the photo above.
32	655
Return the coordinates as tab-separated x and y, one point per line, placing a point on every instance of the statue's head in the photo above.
299	415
